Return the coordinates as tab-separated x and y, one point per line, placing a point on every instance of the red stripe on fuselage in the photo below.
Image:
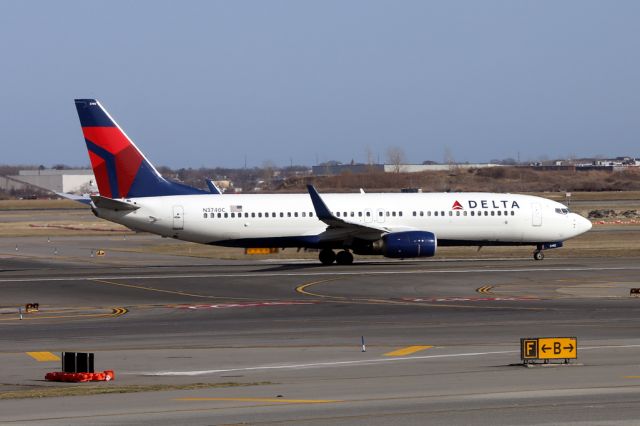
127	157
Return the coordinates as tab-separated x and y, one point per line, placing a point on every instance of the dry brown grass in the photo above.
40	205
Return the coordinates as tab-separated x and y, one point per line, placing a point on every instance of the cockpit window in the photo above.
562	211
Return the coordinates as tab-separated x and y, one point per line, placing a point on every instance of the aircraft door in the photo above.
380	215
178	218
536	218
368	215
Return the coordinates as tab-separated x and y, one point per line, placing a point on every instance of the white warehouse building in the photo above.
70	181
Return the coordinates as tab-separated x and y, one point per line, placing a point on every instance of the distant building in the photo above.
331	169
338	169
70	181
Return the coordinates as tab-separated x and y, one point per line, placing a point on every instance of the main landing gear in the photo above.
538	255
327	257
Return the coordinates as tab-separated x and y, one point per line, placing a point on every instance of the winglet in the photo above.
322	211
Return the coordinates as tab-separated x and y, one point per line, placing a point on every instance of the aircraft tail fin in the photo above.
120	168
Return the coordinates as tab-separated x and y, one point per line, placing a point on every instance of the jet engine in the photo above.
405	244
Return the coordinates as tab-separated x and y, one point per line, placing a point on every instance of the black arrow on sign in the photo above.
570	347
545	348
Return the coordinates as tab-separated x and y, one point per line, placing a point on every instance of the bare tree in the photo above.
395	157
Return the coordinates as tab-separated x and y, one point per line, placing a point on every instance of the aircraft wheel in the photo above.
327	257
538	255
344	258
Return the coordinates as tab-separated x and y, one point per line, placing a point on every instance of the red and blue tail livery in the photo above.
121	170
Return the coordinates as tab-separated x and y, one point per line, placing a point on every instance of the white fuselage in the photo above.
255	219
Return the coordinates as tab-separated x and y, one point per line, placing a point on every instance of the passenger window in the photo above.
513	213
499	213
233	215
260	214
464	213
399	213
296	214
393	214
458	213
359	214
281	214
486	213
380	214
368	214
493	213
429	213
441	213
246	215
473	213
352	214
388	214
226	215
304	214
288	214
450	213
414	213
421	213
219	215
205	215
435	213
253	215
310	214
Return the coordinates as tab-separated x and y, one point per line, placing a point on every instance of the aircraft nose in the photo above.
582	224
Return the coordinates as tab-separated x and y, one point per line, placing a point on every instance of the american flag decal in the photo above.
235	209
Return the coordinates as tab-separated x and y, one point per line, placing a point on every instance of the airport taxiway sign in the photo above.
548	348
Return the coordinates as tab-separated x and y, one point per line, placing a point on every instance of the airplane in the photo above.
395	225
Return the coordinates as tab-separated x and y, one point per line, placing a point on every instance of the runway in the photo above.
442	338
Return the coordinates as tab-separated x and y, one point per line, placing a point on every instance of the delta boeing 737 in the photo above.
394	225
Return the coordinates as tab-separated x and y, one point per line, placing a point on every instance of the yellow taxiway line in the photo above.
43	356
407	351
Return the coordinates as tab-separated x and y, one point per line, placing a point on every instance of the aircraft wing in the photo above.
338	228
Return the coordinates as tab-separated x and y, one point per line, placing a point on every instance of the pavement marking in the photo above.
355	362
43	356
280	400
320	274
304	289
159	290
115	312
485	289
632	377
323	364
407	351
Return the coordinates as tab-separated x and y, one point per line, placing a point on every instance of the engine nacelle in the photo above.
409	244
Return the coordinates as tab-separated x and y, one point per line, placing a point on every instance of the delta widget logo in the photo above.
457	206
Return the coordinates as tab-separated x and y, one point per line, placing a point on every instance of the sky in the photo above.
224	83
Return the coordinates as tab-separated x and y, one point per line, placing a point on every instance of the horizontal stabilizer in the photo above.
84	199
111	204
